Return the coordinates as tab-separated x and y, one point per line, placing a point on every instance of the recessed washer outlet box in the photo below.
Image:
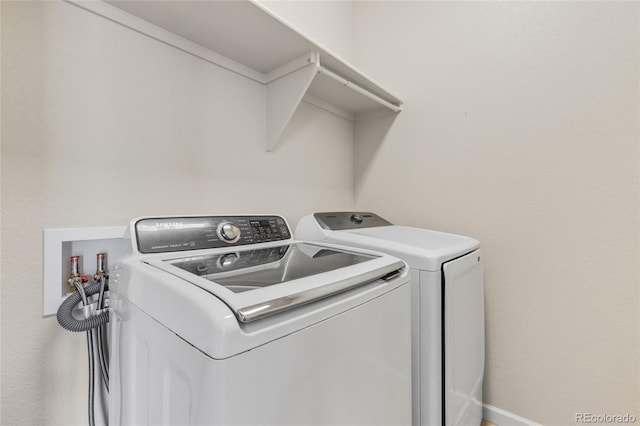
61	244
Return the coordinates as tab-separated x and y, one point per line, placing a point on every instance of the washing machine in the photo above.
226	320
447	308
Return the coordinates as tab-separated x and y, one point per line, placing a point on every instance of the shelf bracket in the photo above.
286	86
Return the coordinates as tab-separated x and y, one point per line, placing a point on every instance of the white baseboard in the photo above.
501	417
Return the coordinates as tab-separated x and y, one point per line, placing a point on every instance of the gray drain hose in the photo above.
67	320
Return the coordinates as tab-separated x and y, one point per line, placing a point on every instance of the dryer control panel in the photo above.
338	221
168	234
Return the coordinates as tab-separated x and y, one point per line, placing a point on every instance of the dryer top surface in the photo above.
421	248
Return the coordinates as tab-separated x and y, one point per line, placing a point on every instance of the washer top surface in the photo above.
422	249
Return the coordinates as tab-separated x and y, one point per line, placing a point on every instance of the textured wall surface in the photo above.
101	124
521	128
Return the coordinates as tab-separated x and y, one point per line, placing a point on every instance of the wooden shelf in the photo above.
246	38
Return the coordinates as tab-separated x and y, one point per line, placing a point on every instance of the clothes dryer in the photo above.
226	320
447	308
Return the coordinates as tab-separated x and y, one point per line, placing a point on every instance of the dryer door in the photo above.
464	339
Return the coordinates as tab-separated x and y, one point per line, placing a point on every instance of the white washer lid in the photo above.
421	248
203	313
301	274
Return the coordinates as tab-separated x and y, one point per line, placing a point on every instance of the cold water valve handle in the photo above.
101	270
100	277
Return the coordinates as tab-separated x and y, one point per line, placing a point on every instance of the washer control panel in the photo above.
338	221
168	234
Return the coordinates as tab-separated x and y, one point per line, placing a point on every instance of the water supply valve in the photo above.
75	278
101	269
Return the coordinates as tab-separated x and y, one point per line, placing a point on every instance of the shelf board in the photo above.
249	34
244	37
236	29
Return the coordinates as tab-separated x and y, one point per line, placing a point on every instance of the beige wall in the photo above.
521	128
101	124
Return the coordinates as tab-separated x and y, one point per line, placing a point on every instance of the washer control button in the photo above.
356	218
228	232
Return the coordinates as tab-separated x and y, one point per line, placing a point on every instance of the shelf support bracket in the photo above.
286	86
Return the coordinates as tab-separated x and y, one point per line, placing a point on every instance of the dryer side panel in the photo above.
429	350
416	374
464	339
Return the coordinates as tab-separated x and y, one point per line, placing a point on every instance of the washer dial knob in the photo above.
228	232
